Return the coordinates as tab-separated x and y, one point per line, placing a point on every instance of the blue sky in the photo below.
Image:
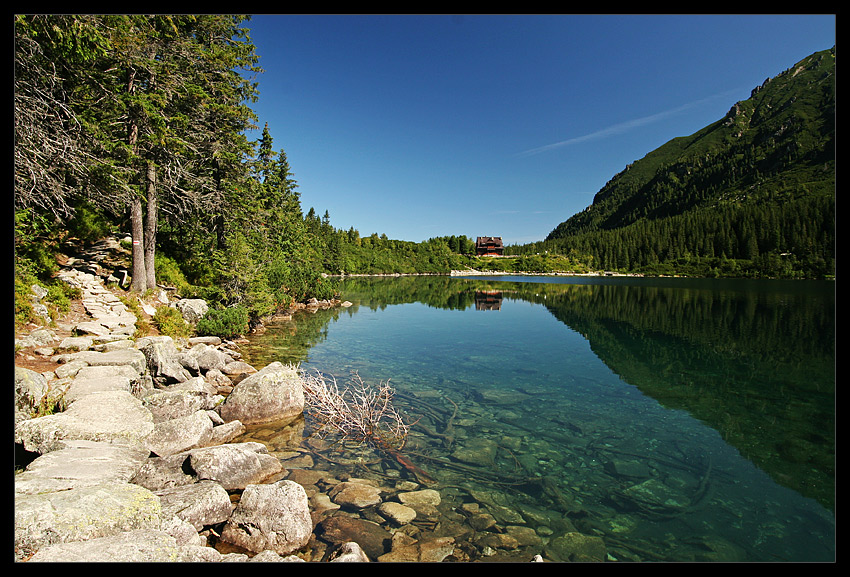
417	126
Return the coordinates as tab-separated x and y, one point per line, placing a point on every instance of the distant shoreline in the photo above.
498	273
460	273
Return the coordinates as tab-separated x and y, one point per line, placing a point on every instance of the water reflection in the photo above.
754	362
488	300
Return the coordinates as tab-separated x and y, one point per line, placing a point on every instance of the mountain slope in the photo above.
774	149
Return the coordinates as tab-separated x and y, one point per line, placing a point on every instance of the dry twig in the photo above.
358	412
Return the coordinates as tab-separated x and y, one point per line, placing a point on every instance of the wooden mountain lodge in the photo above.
489	246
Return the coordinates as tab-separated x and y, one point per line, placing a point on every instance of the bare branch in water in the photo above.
357	412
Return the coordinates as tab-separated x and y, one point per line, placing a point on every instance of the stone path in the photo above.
109	315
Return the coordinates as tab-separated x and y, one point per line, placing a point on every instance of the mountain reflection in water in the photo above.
696	378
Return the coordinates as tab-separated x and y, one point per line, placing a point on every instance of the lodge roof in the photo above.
488	240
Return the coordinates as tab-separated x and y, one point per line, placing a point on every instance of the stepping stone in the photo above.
110	416
92	328
81	464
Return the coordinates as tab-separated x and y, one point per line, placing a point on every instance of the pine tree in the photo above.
164	106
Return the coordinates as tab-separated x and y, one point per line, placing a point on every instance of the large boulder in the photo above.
41	337
207	358
163	361
129	357
74	344
197	384
80	387
139	546
192	310
274	393
234	466
226	432
91	328
169	404
370	536
158	473
200	504
274	516
180	434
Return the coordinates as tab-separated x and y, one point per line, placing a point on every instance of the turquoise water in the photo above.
678	419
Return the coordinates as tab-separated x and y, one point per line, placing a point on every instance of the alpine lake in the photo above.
678	419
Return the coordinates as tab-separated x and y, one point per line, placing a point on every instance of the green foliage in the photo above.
225	323
458	244
789	240
59	294
170	322
142	324
34	246
89	224
24	312
29	273
168	273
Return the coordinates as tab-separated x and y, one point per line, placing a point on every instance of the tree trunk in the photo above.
150	226
139	283
139	277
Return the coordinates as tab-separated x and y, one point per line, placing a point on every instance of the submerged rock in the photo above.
348	553
396	513
355	495
372	538
481	452
574	546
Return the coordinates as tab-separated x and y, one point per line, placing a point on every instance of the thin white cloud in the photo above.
622	127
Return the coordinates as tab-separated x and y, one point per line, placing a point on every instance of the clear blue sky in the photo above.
424	126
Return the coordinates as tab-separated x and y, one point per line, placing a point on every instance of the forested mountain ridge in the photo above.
743	187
